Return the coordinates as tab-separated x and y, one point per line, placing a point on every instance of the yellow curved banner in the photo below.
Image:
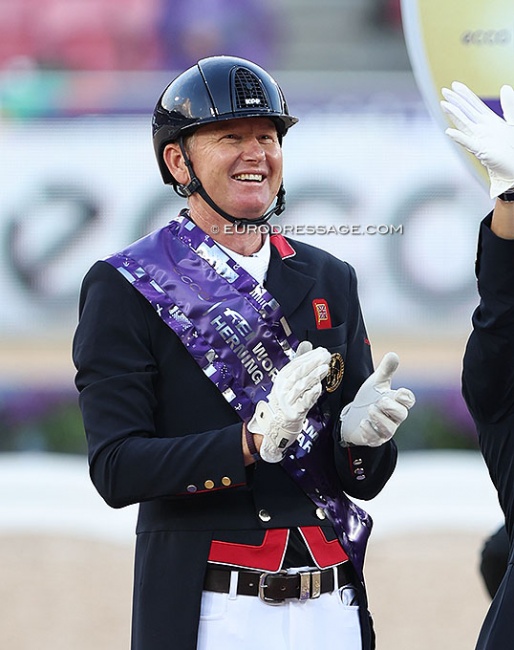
470	41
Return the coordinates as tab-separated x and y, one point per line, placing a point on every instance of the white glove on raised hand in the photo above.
377	411
295	390
486	135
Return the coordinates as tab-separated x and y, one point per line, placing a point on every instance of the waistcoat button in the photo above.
264	515
320	513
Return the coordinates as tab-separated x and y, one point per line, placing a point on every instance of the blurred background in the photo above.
367	165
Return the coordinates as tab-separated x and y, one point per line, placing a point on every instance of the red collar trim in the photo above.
283	247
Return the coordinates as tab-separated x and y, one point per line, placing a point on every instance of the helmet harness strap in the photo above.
195	185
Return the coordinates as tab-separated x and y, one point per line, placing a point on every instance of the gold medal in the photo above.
335	373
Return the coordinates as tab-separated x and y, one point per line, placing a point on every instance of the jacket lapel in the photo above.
288	281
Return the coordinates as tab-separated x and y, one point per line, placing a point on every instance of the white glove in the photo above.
486	135
377	411
295	390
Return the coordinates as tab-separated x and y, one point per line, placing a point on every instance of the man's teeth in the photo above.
248	177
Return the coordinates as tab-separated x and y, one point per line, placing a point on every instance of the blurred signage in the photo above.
383	192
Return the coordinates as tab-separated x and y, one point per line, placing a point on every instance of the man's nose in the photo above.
253	150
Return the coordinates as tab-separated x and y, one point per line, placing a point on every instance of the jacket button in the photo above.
264	515
320	513
191	488
209	484
226	481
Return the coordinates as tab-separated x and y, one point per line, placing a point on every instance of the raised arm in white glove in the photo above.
486	135
295	390
377	411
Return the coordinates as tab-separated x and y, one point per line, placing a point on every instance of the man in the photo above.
488	370
199	402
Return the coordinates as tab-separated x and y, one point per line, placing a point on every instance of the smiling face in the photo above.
238	162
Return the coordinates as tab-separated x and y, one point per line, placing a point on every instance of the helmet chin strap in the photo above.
195	186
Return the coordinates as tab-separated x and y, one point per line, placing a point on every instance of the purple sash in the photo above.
236	332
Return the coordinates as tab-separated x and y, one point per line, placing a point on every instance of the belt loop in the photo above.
232	592
305	585
336	578
315	584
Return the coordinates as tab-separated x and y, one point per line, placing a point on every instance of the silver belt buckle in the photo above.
262	587
310	586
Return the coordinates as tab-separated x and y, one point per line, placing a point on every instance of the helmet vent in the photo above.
248	90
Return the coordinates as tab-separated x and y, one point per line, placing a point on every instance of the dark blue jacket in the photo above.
488	388
155	425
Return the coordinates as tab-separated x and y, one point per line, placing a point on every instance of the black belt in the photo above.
274	588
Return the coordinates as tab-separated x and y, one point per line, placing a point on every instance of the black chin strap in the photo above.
195	186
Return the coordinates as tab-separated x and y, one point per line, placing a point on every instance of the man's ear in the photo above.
174	160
